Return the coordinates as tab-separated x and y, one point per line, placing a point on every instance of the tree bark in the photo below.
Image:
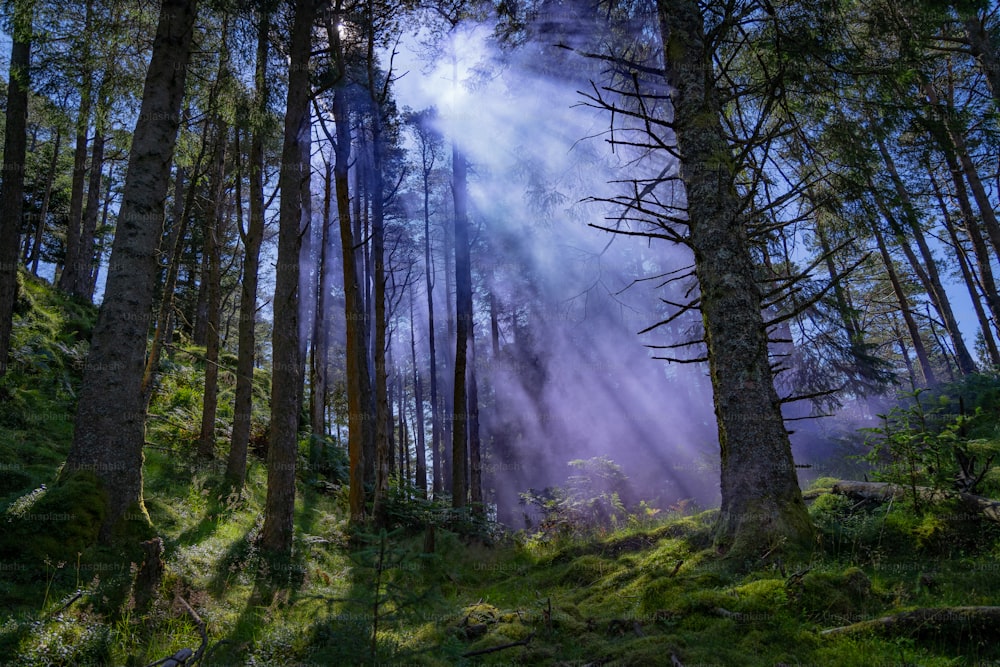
762	505
934	287
418	398
213	230
236	464
982	48
904	307
12	187
359	417
463	312
109	428
36	252
286	378
73	267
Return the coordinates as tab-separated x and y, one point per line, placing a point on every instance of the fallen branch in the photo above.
976	622
988	508
484	651
79	594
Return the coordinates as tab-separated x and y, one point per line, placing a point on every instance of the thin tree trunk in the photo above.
12	187
418	398
286	378
252	237
383	414
318	366
431	334
74	261
475	443
463	310
110	421
968	276
36	253
81	287
935	289
359	426
213	227
761	501
904	307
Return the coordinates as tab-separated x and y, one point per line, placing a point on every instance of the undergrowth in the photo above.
439	587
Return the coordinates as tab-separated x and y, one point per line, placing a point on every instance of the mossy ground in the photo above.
635	596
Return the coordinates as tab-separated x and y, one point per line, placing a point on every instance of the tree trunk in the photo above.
418	398
463	310
236	465
968	276
12	187
276	535
81	288
358	381
904	307
935	290
982	48
436	442
761	502
318	361
383	414
36	252
109	428
213	229
73	264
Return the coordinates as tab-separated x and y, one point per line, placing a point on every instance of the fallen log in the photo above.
987	508
970	622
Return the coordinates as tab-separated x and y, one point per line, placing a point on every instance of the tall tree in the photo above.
109	429
252	237
286	374
12	187
761	502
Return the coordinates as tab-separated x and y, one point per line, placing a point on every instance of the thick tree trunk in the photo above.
762	505
12	187
110	421
36	251
236	464
463	310
286	378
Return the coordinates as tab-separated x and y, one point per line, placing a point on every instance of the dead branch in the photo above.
974	622
501	647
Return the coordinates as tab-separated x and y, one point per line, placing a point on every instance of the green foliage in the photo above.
927	441
590	502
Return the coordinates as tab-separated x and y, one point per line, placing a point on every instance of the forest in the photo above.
500	332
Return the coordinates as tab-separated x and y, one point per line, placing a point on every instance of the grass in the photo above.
652	589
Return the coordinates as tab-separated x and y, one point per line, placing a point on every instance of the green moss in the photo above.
62	522
827	596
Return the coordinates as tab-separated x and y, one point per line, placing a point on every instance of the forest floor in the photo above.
649	591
